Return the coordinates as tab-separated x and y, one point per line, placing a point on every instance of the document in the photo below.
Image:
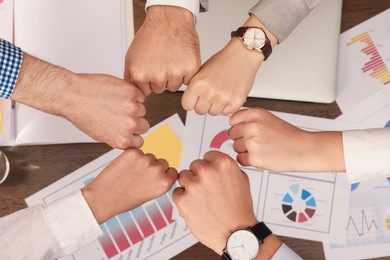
364	61
149	231
302	205
89	36
368	225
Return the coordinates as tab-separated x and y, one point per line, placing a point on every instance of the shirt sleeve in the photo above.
367	153
282	16
191	5
284	252
10	62
39	232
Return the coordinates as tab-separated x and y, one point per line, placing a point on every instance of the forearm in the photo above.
43	86
281	17
322	152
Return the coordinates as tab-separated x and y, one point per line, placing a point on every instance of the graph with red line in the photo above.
375	66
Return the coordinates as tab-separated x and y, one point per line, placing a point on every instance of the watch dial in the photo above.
242	245
254	38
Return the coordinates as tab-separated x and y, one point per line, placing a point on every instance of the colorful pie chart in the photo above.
298	205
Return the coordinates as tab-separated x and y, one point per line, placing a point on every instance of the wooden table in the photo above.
35	167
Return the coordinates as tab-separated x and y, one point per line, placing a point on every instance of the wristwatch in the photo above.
244	244
254	38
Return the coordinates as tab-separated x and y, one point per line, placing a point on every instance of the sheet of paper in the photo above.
301	205
368	112
6	122
6	33
368	225
364	61
6	19
90	36
149	231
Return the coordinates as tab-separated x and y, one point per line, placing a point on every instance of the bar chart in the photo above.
374	67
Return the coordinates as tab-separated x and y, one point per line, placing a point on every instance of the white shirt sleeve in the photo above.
367	154
284	252
48	232
190	5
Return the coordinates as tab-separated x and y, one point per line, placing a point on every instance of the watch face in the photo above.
254	38
242	245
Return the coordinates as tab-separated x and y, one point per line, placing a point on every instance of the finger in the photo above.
141	110
163	163
177	194
229	110
142	126
242	158
151	157
136	141
237	131
216	109
211	156
139	95
174	84
144	87
239	146
189	99
172	174
238	117
158	87
202	106
185	177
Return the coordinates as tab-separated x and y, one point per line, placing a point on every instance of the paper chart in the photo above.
149	231
301	205
364	61
368	225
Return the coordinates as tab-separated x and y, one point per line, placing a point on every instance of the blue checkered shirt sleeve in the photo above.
10	62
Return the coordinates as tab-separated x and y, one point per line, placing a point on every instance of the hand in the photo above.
165	51
129	181
214	199
267	142
106	108
224	81
109	110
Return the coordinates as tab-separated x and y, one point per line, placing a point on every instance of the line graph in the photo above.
361	225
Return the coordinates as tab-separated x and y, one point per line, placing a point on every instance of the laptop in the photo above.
301	68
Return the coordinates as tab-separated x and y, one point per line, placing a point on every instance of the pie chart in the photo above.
219	139
298	205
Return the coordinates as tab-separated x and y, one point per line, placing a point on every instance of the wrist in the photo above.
254	22
168	16
98	204
269	247
329	157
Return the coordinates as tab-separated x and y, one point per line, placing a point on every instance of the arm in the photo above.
72	222
214	199
225	80
108	109
267	142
